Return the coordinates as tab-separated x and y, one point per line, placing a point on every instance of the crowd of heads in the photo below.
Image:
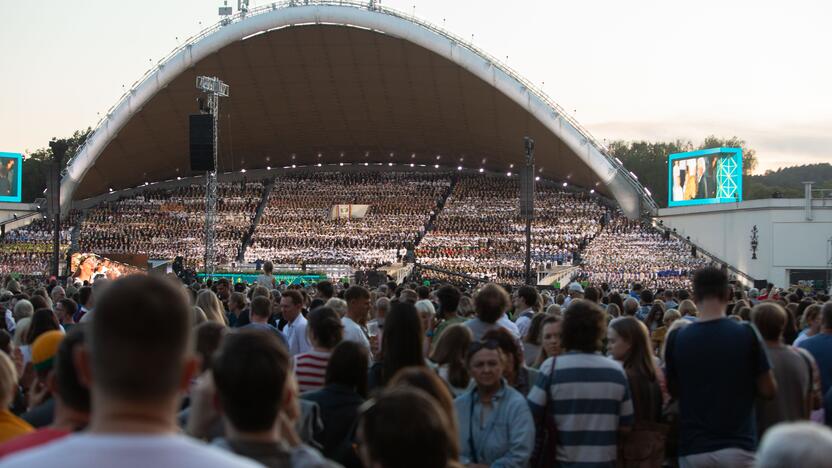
27	250
480	231
457	223
409	375
297	227
165	223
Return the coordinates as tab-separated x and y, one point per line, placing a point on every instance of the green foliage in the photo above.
37	163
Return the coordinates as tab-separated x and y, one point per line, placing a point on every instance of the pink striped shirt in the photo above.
310	370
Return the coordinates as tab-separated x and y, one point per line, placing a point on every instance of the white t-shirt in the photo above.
353	332
127	451
296	336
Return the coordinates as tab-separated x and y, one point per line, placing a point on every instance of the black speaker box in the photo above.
202	142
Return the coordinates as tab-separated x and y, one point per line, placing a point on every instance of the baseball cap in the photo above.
575	287
45	348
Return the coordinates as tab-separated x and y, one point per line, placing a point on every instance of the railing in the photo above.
374	6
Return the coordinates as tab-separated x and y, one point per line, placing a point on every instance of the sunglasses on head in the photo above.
478	345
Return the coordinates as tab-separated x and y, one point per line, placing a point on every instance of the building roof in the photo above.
341	82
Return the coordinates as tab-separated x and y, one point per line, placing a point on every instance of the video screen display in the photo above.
705	177
90	267
11	177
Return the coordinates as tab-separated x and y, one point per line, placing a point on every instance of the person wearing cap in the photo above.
576	291
71	398
41	404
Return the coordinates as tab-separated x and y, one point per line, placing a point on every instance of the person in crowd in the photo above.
401	344
579	386
343	393
811	322
291	306
338	305
208	301
41	403
72	399
716	356
325	290
495	424
631	307
531	342
11	426
23	308
64	310
427	313
259	313
613	311
425	379
658	336
795	444
688	310
43	320
794	371
448	297
325	331
449	357
550	339
136	371
267	279
491	303
255	392
654	317
515	372
358	306
87	302
426	443
526	304
820	346
628	342
238	314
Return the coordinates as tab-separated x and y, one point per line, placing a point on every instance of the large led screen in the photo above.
11	177
704	177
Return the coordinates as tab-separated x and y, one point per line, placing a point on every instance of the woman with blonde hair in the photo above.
688	310
211	306
10	425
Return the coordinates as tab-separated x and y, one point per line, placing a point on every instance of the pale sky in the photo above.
632	69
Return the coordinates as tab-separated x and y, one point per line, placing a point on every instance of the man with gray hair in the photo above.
22	309
631	307
795	444
57	294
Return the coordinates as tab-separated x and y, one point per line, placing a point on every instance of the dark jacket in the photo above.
339	412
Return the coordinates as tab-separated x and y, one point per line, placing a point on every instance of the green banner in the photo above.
289	278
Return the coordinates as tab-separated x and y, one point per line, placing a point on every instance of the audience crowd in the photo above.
630	251
28	249
480	231
297	227
147	371
170	222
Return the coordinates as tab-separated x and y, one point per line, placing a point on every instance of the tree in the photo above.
648	160
749	156
36	165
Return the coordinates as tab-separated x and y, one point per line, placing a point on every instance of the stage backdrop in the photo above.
348	211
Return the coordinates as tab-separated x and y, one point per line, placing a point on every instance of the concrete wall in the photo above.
787	238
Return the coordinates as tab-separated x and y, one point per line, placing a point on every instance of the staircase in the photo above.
267	190
440	204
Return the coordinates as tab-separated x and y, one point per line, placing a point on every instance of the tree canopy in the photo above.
36	165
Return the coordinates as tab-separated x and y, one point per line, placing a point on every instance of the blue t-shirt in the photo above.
820	346
712	367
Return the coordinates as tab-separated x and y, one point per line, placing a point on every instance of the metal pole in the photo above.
59	148
211	192
529	280
528	207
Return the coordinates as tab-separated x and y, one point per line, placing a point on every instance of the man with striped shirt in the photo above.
588	394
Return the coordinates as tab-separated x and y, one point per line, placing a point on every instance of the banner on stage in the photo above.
348	211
